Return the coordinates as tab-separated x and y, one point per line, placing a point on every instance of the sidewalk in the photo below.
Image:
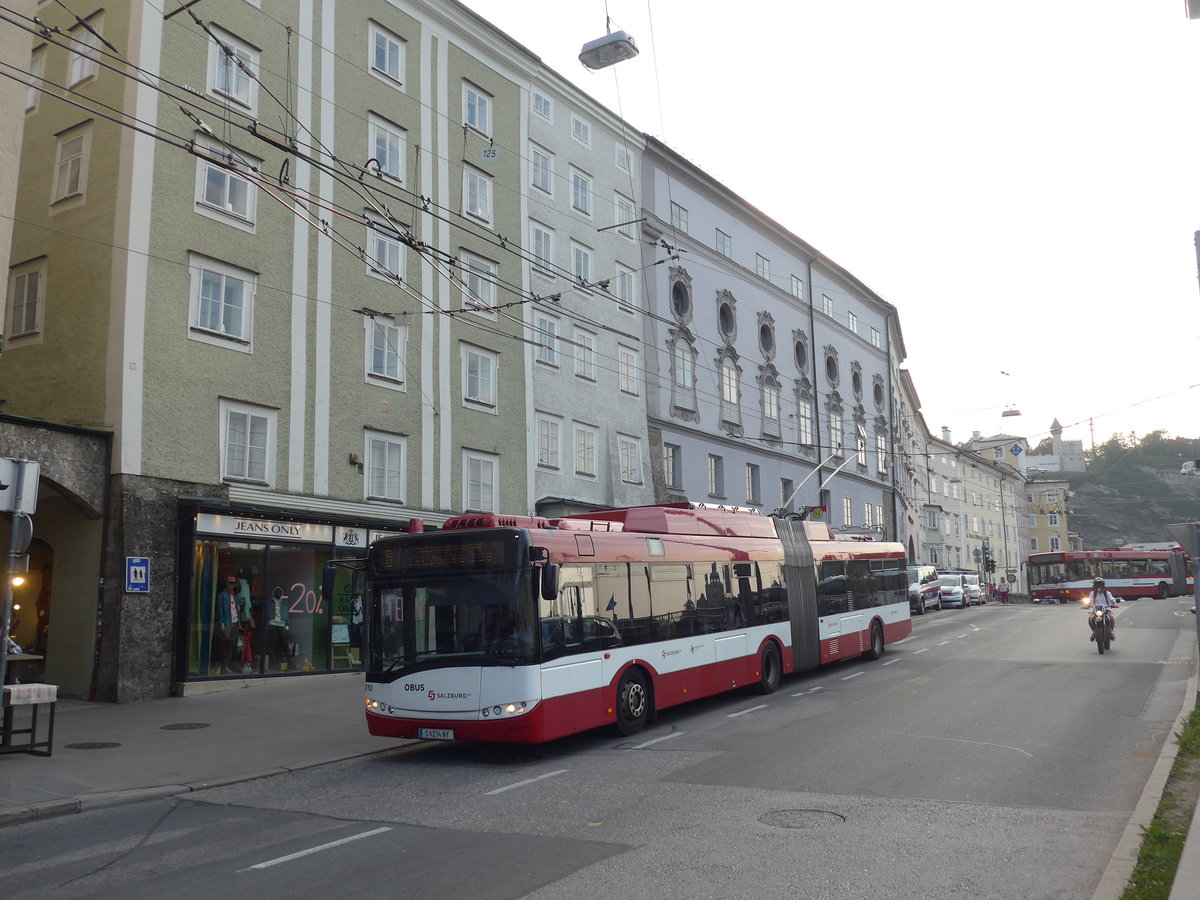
262	728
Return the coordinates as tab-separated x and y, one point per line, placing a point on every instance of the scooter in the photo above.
1100	622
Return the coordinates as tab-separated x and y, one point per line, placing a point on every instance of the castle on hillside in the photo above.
1064	456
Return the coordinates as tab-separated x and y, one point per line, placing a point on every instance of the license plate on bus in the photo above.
436	734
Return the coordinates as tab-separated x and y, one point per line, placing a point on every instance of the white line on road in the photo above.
525	782
855	675
890	661
943	643
922	650
665	737
744	711
312	850
961	636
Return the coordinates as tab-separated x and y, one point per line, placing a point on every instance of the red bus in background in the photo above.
525	629
1127	573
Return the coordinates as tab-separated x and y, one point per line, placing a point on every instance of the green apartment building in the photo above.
264	303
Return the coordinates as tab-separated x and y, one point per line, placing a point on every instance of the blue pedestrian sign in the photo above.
1015	449
137	574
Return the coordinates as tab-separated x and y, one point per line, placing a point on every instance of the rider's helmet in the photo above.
1098	584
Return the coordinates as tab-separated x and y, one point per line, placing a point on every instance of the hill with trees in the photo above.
1132	489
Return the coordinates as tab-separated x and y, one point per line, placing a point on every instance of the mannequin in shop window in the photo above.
226	627
277	629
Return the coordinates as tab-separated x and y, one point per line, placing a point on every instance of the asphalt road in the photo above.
994	753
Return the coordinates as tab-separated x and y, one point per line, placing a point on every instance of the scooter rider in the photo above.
1100	598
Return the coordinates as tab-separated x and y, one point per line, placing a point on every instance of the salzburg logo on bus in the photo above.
439	695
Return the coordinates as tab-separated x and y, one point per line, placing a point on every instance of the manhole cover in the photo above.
92	745
185	726
801	818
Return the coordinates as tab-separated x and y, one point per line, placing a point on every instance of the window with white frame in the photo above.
542	106
997	453
624	158
860	444
581	130
385	466
730	391
881	454
1031	521
481	476
479	376
581	192
1033	545
477	109
876	338
673	465
724	244
1055	542
852	322
762	266
626	226
232	69
479	284
1052	496
679	217
629	451
541	169
247	442
82	63
37	69
683	384
387	55
827	305
225	189
385	252
71	163
547	339
26	298
753	484
806	417
623	285
1051	520
837	437
386	146
797	287
716	476
386	342
585	449
629	376
585	354
771	407
477	194
541	243
847	511
222	303
868	514
581	264
549	431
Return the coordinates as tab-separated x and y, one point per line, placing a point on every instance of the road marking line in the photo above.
525	782
744	711
312	850
665	737
855	675
890	661
961	636
922	650
943	643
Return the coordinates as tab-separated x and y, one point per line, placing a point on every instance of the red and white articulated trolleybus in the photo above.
1127	573
524	629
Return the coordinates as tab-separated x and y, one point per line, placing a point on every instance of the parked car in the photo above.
953	587
924	589
975	592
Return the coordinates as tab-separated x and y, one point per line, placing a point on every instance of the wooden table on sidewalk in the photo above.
32	695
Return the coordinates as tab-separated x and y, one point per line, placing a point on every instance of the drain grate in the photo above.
802	818
185	726
92	745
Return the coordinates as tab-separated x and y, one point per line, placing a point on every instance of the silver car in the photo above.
954	590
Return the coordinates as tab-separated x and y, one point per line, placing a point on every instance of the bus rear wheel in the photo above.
633	702
1162	590
770	669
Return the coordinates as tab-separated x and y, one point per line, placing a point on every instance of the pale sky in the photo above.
1021	179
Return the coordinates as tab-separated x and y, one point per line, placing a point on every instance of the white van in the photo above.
924	589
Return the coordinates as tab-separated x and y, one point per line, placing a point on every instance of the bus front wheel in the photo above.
633	702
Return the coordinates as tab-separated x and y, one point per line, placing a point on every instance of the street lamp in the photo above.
605	51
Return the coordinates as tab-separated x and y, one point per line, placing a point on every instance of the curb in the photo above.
65	806
1120	868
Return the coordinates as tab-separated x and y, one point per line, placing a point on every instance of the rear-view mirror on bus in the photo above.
550	581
